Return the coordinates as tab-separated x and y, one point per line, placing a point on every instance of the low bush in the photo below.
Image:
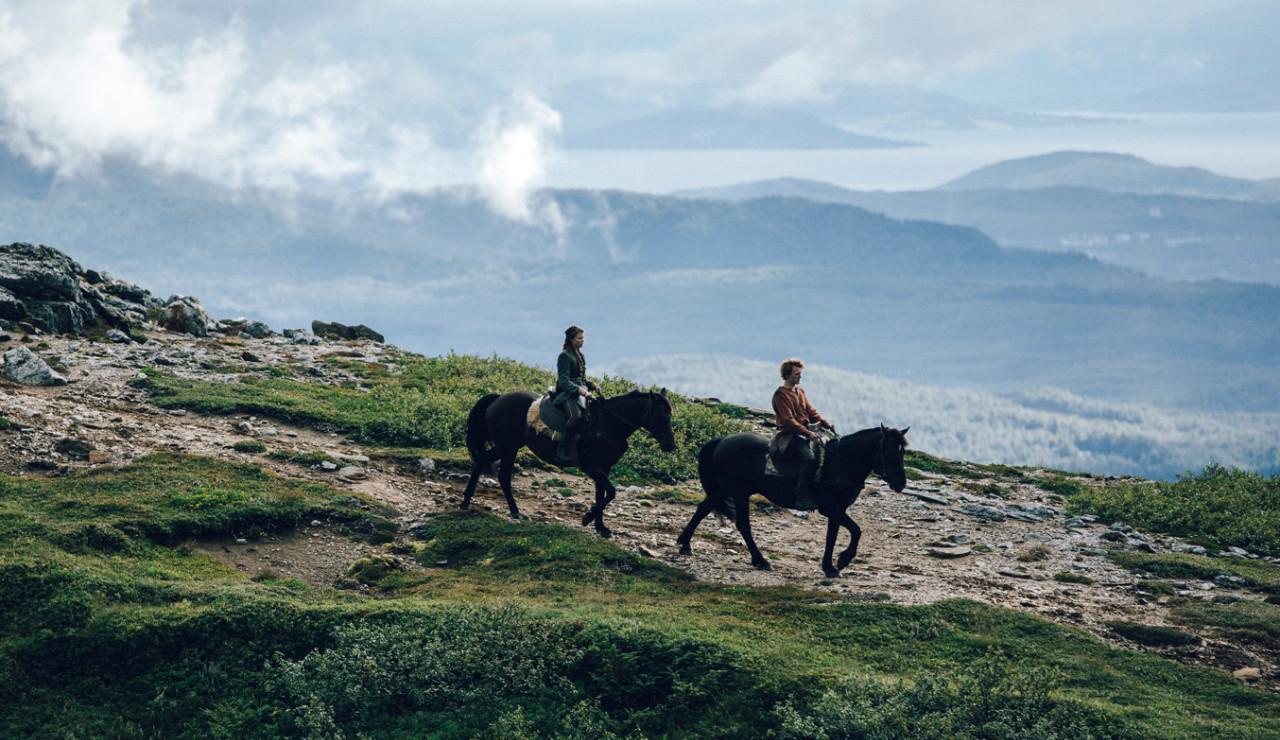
993	698
1227	506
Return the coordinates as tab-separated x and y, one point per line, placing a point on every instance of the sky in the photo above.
393	95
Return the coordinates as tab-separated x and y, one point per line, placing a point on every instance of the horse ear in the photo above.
664	392
904	431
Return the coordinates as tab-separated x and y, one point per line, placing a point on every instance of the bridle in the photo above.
644	417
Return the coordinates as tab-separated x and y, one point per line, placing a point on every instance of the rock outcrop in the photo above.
323	329
44	290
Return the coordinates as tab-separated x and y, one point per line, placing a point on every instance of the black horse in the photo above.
503	420
732	468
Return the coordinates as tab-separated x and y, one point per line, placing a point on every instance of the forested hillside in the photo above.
1044	426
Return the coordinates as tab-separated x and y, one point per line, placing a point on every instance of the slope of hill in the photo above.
649	275
1171	237
180	567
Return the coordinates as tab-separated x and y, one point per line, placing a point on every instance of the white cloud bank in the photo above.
79	84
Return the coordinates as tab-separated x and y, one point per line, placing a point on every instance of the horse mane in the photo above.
638	392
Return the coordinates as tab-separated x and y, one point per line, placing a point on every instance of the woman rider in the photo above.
572	386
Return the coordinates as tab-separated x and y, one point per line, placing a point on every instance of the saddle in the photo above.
546	418
782	459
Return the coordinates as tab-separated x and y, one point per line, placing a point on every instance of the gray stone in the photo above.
352	473
119	337
256	329
980	511
22	366
341	331
928	497
1191	549
184	315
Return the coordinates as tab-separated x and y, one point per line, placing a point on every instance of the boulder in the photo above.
184	315
47	290
341	331
21	365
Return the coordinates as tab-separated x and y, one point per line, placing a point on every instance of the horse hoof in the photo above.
845	559
518	516
587	517
762	565
686	550
464	506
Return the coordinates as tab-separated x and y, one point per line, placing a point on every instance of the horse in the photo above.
732	468
503	420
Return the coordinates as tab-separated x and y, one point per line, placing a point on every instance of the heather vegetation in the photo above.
422	403
111	626
1221	506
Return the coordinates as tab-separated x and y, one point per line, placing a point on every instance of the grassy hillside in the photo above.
473	625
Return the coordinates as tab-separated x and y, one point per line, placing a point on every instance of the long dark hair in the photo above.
569	335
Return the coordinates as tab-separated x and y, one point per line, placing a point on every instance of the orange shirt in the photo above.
792	410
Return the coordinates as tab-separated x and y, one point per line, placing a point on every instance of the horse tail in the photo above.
710	484
478	431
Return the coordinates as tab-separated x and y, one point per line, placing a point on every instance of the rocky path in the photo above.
941	538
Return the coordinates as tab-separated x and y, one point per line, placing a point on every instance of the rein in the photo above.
833	456
648	406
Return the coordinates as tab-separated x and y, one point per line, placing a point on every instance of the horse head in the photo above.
657	420
888	464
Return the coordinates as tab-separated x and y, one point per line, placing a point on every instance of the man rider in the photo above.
798	424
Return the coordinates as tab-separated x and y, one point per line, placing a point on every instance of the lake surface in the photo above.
1245	145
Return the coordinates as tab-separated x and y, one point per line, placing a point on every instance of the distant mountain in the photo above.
1028	204
837	284
1119	173
735	127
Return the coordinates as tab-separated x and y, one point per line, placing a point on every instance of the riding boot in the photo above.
562	450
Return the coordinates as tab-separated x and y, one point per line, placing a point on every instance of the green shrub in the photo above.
1156	588
994	698
1072	578
1153	635
458	670
1227	506
249	445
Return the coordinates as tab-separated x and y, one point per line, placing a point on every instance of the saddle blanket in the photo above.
542	415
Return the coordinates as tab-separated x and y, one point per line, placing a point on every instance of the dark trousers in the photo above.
808	459
574	412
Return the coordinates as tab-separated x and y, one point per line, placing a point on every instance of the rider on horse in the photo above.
572	388
798	424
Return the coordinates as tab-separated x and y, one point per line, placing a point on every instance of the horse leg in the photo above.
480	465
504	480
833	530
850	552
686	537
742	517
605	493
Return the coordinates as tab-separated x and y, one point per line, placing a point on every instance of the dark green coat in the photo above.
568	378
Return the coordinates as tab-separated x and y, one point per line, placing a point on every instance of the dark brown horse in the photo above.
732	468
503	421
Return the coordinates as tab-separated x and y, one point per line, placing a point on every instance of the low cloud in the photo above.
79	83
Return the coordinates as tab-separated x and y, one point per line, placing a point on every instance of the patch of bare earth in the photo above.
902	558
